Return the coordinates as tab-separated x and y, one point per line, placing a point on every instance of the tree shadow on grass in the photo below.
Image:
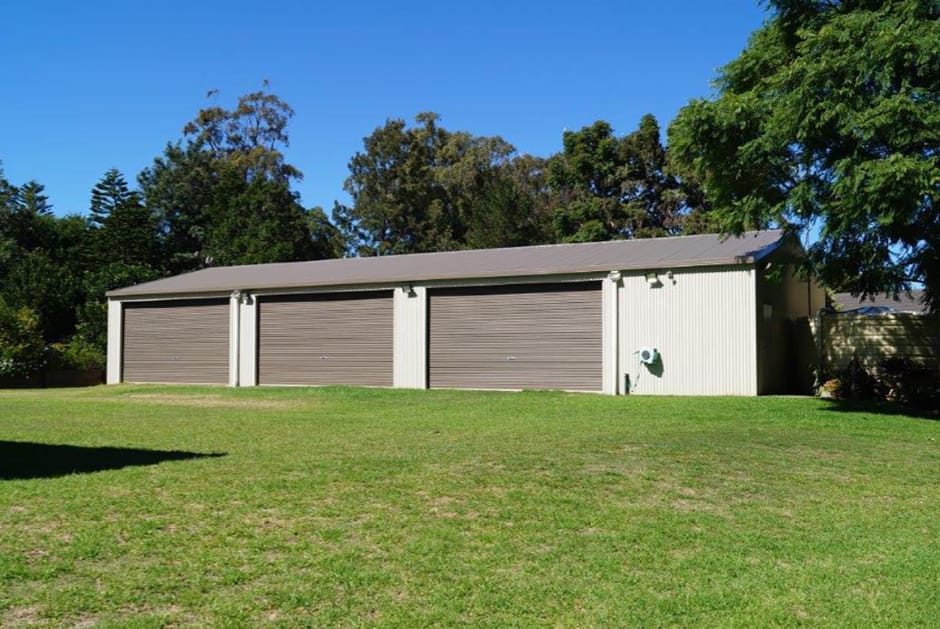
24	460
882	408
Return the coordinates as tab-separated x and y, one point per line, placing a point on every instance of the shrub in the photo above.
77	353
21	344
831	388
905	380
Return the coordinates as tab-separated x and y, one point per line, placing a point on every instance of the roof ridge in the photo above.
750	233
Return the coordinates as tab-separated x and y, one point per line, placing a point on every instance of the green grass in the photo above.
414	508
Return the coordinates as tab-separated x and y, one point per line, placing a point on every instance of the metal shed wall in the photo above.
702	321
326	339
513	337
184	341
782	300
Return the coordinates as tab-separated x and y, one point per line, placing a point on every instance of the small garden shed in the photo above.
698	314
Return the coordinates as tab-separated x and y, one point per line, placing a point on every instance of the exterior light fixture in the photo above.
652	278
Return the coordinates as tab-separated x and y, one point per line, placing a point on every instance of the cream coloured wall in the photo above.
874	338
115	341
410	343
702	322
610	293
247	340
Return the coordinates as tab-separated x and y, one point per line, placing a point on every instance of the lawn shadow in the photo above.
882	408
24	460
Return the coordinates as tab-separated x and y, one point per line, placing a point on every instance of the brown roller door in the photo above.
517	337
326	339
176	341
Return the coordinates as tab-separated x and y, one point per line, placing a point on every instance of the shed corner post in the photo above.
410	337
820	343
245	331
611	333
234	328
115	341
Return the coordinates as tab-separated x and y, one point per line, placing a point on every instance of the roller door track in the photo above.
176	342
330	339
517	337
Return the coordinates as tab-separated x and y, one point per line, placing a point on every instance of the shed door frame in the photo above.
552	334
358	352
202	341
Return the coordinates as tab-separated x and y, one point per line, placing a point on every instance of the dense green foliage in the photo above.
392	508
41	257
223	197
609	188
830	119
21	344
425	188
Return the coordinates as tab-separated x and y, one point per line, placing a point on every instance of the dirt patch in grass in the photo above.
21	616
84	622
211	401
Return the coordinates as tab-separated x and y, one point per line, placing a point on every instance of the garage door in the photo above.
329	339
516	337
176	341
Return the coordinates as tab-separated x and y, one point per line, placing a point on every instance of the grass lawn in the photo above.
343	506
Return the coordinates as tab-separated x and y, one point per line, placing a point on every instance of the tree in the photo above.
255	221
513	207
178	189
21	344
27	215
8	194
109	193
41	257
328	241
223	196
608	187
830	120
32	200
424	188
124	230
251	137
44	274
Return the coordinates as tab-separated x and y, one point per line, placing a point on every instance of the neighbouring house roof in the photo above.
541	260
845	302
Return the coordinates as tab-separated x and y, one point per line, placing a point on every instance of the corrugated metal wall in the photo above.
326	339
703	324
176	341
783	299
515	337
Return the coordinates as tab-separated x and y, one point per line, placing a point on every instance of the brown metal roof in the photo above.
904	303
621	255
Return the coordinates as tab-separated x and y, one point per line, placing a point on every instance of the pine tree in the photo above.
110	192
30	199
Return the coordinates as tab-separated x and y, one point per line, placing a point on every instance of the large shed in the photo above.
701	315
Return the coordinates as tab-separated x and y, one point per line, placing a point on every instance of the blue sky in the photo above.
90	86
